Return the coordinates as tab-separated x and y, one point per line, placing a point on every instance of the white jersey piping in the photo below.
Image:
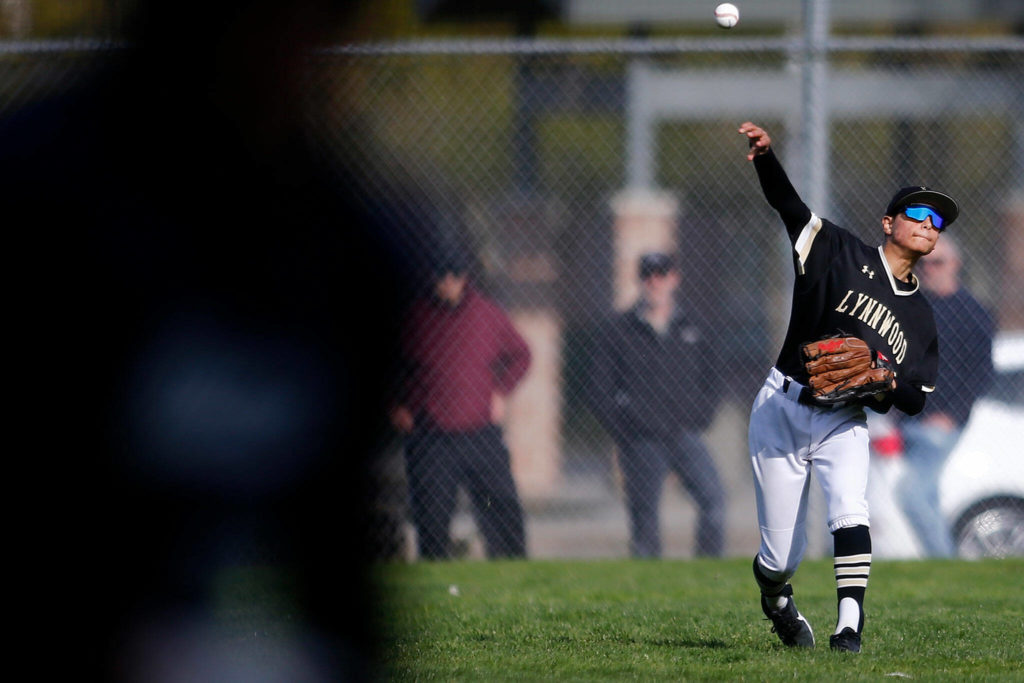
892	280
802	247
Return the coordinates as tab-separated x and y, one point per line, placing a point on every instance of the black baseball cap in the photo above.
655	262
945	205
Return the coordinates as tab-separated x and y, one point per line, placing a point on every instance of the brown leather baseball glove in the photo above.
845	369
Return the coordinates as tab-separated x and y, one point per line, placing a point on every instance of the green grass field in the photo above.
692	620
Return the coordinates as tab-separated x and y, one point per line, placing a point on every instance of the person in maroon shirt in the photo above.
462	357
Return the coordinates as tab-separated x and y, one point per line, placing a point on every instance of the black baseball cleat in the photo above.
791	627
846	640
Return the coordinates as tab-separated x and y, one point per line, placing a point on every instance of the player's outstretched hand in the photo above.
758	137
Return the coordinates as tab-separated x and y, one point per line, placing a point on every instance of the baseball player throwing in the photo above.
868	298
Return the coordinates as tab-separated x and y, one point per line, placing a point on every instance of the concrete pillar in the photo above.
534	417
645	220
521	261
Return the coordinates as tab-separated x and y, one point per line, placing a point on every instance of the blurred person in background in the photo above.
652	388
965	332
461	357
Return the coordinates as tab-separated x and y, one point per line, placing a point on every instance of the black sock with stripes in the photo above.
852	566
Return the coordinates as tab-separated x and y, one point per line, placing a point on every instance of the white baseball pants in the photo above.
788	439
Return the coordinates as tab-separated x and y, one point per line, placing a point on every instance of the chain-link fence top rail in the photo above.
528	143
557	162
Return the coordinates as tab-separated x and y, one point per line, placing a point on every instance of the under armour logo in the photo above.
870	273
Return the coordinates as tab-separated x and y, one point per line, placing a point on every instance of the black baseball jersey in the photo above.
843	285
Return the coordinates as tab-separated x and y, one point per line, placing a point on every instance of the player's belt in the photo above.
795	391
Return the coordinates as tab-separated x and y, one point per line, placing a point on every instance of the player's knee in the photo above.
772	570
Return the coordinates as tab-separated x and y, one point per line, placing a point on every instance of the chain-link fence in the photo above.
542	171
556	166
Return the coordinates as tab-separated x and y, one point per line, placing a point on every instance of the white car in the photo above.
981	491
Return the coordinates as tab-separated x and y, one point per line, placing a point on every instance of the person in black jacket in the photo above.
652	389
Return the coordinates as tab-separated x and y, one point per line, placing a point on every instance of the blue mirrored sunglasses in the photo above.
918	212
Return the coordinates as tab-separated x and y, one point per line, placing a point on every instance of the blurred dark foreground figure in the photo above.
204	332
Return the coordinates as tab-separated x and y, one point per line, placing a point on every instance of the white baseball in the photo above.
727	15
